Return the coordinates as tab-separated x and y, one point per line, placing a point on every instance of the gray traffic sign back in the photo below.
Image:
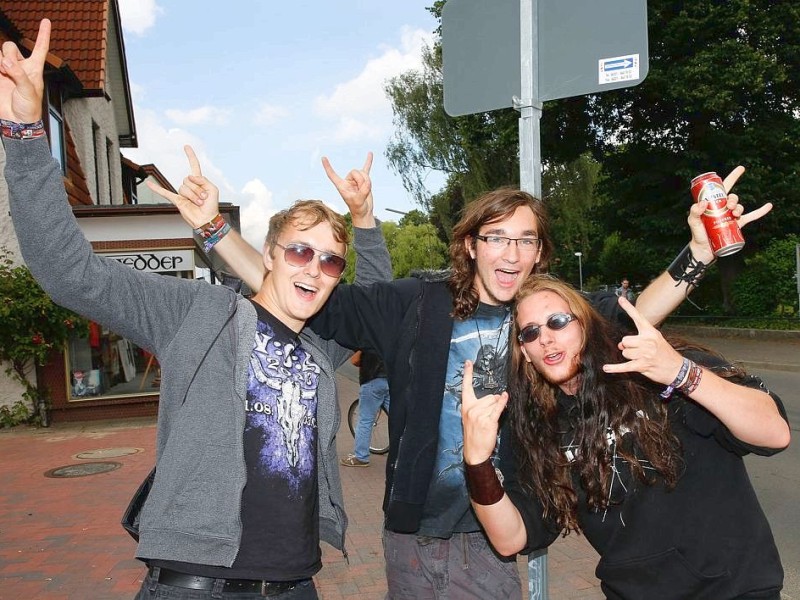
584	47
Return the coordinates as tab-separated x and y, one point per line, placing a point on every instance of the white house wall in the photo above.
79	114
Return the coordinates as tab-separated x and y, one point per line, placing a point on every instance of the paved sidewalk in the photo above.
60	538
756	350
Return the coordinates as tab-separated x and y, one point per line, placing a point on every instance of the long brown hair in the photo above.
606	402
492	207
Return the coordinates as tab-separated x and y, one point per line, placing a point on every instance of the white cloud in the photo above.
199	116
269	114
163	147
255	212
138	15
359	108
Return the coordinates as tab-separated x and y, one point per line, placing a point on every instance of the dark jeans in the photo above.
152	590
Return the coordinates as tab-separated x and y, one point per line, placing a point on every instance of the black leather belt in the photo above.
231	586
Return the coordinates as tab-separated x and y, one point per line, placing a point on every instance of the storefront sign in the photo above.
157	261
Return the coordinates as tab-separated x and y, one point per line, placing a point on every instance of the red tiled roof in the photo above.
78	37
75	179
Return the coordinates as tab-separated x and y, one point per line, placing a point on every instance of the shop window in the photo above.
105	364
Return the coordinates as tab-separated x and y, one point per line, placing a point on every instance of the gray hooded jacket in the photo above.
202	336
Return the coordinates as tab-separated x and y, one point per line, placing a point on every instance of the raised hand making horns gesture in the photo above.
22	79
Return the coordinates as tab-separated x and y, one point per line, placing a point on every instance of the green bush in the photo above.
32	326
767	285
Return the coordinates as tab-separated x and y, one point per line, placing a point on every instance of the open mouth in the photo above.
306	292
554	358
506	277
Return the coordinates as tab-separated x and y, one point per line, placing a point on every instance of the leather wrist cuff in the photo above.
687	268
483	483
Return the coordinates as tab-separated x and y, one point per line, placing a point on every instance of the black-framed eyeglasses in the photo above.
299	255
556	321
499	242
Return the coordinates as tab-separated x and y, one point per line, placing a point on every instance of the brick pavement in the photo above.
60	539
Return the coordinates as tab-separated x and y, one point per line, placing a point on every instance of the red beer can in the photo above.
723	231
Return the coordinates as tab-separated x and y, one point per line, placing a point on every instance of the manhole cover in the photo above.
108	453
83	469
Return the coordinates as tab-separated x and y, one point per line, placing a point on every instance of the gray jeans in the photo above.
461	567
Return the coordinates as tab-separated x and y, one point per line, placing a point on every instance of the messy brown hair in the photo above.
605	402
492	207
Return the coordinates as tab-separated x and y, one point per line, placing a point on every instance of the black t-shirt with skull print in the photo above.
280	510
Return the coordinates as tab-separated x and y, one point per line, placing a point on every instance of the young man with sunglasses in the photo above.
631	441
247	478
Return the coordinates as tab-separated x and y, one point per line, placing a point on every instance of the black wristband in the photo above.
483	483
687	268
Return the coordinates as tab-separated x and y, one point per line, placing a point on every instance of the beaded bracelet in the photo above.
678	380
212	232
22	131
691	383
483	483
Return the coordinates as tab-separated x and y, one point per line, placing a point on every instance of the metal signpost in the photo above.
521	53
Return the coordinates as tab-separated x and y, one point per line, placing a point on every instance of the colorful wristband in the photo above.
678	380
22	131
483	483
210	228
212	232
692	381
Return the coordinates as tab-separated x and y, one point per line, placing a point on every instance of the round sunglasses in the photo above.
554	322
299	255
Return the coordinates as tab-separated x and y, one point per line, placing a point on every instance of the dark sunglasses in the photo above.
299	255
555	322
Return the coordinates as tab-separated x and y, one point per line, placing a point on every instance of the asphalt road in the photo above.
777	481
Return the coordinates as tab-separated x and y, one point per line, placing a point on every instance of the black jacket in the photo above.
408	323
707	539
390	319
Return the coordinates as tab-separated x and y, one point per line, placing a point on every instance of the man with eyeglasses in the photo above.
247	479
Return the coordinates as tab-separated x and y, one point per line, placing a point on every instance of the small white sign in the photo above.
618	69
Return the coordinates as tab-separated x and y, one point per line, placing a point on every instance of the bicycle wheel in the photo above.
379	442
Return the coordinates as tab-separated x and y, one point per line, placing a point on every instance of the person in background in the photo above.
633	442
372	395
625	290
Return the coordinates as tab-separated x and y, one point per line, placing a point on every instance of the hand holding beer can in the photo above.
722	229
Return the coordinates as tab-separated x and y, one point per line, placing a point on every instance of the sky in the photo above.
262	90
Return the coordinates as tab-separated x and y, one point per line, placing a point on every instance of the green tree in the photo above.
569	191
767	286
475	152
32	325
722	90
415	247
412	246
